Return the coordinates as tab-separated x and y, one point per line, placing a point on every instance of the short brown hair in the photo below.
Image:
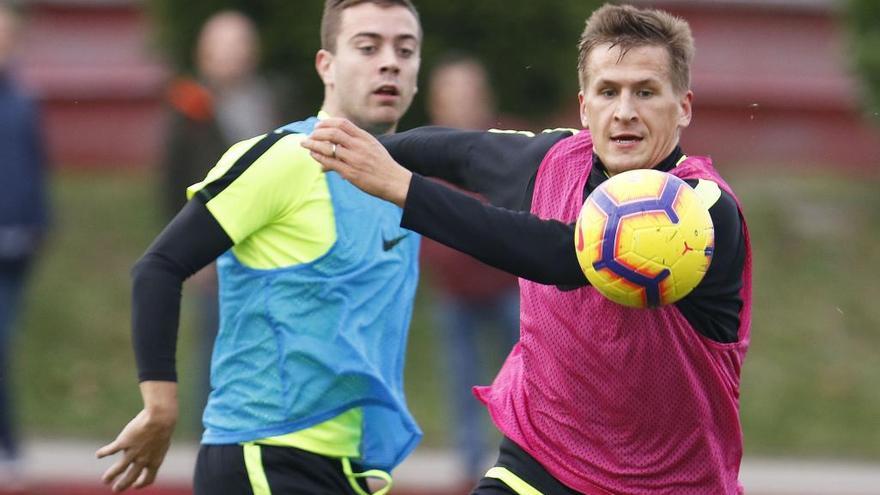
628	27
333	14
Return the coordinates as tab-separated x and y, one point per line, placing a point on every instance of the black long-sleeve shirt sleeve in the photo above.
501	166
191	241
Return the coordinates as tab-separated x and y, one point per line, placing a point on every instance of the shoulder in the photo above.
723	209
269	162
288	155
277	156
715	197
719	202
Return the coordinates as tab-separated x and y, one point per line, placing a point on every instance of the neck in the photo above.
374	128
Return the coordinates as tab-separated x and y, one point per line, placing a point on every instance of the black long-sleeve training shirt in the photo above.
503	167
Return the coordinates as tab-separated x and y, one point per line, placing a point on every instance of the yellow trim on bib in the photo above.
513	481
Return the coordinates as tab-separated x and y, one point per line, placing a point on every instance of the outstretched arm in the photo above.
499	165
517	242
191	241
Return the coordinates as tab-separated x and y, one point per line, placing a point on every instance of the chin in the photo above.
388	115
620	166
383	119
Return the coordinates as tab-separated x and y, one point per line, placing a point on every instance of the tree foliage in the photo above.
530	48
864	22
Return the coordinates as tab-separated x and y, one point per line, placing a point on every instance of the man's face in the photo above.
631	108
371	79
460	97
227	50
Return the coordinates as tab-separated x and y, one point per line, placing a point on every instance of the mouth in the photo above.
387	90
626	138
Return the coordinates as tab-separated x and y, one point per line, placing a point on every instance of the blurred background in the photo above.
787	98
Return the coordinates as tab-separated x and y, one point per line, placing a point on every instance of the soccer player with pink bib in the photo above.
596	398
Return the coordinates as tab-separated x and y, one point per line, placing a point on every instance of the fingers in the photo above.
343	125
133	473
330	122
333	135
147	477
109	449
322	148
115	470
137	473
330	164
340	131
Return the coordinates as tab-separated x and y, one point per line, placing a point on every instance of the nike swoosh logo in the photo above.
388	244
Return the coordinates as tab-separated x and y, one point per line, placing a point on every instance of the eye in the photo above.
644	93
607	92
367	49
406	52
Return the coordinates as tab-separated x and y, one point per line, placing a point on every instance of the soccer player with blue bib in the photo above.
317	281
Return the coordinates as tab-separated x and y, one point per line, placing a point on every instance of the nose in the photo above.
625	111
389	63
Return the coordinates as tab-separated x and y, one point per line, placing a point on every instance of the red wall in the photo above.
99	84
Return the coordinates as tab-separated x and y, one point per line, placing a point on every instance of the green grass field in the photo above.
810	380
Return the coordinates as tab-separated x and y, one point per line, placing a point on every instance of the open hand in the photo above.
342	147
144	441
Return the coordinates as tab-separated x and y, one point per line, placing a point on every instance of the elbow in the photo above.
139	268
147	265
154	267
559	267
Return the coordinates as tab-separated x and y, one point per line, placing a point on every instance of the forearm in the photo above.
155	315
516	242
433	152
499	166
191	241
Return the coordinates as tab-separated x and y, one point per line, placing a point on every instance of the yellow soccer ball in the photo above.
644	238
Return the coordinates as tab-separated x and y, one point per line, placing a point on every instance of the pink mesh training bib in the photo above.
615	400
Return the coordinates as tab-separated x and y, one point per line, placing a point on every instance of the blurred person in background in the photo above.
228	101
23	222
595	397
317	281
476	307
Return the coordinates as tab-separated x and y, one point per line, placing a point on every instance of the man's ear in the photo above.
582	106
686	109
324	64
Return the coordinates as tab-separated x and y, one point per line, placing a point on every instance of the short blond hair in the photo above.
627	27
